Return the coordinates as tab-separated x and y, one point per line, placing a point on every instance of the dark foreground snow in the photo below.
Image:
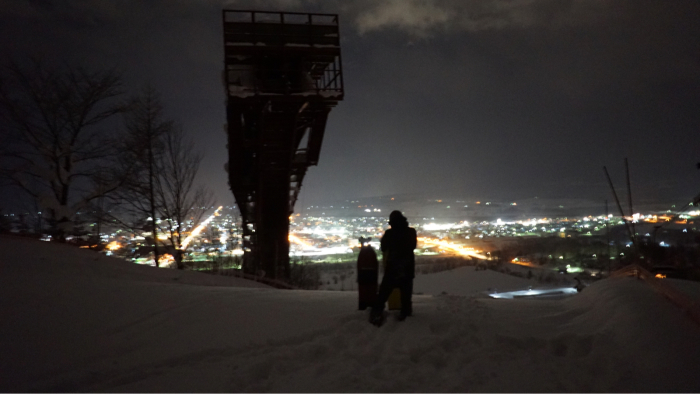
73	320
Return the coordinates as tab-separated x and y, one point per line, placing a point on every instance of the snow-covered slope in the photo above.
467	281
74	321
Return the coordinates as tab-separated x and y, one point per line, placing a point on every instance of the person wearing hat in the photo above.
397	245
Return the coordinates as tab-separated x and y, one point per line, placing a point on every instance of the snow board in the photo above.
367	275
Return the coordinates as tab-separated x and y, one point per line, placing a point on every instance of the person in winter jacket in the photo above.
397	245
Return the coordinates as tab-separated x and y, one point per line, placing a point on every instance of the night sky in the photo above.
500	99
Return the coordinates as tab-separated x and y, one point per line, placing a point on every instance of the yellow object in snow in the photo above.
394	301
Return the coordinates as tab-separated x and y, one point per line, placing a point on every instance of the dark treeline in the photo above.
77	149
680	252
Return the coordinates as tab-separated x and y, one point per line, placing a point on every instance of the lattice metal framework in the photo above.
282	76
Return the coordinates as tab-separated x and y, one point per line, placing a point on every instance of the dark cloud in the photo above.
420	17
502	98
425	18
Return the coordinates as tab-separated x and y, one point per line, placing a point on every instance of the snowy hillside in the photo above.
460	281
73	320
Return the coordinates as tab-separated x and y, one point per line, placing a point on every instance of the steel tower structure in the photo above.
282	77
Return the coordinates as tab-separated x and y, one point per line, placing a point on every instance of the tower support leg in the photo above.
273	226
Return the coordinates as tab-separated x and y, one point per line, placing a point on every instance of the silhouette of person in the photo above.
397	245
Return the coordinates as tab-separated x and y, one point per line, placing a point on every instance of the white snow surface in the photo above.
466	281
74	320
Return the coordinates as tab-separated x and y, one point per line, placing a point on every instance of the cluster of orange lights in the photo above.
166	259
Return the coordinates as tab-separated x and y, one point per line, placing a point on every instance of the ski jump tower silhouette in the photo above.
282	77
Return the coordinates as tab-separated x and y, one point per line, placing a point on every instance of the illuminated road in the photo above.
459	249
294	239
525	264
199	228
311	250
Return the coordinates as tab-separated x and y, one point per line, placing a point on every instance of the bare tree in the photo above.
182	203
146	127
160	168
53	148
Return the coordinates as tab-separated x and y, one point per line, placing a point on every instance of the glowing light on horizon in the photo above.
442	227
459	249
199	228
